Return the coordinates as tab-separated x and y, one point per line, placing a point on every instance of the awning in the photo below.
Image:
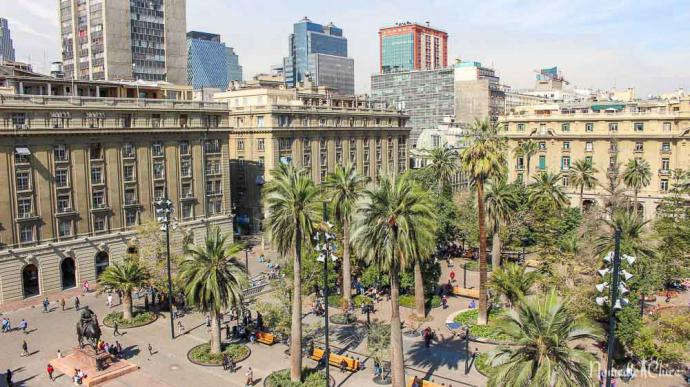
22	151
607	107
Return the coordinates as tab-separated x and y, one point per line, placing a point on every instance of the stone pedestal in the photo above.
99	367
88	356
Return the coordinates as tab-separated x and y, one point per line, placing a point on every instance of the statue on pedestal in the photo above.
87	327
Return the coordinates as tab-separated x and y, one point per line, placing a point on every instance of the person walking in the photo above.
8	378
110	300
150	350
62	304
249	376
231	365
23	325
208	321
50	371
25	348
59	354
46	304
76	303
116	330
225	362
86	286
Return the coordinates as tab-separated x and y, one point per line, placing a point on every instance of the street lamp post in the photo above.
246	259
164	211
325	247
467	350
464	275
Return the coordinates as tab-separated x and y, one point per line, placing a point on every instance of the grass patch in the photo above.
140	318
343	319
311	378
336	300
407	301
202	353
474	266
488	331
481	363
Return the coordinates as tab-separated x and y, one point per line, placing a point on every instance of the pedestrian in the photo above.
86	286
110	300
62	303
50	371
8	377
231	365
5	325
118	346
249	376
473	304
225	362
208	321
76	303
25	348
116	330
46	304
150	349
180	327
343	365
59	354
415	382
23	325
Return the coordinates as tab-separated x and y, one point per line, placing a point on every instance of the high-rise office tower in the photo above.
319	53
124	39
410	46
6	48
209	62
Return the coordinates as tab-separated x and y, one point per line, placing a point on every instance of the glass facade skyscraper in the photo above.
6	48
320	52
210	63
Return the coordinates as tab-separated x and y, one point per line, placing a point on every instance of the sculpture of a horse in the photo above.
87	328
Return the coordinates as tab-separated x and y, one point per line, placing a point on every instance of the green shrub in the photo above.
202	353
408	301
487	331
473	265
311	378
343	319
481	363
336	301
140	319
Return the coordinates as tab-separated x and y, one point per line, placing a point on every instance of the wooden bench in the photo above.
265	338
335	360
463	292
424	383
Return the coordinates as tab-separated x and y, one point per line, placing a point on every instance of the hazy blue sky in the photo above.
604	43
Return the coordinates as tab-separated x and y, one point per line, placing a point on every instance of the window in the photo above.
128	172
663	185
24	207
60	153
665	146
542	129
612	162
260	144
667	126
130	196
63	203
19	120
130	217
240	144
261	162
99	223
542	145
283	121
613	147
155	120
214	206
128	150
158	170
212	146
158	192
157	149
520	127
183	121
520	162
589	127
95	152
665	164
96	175
639	146
65	228
542	162
305	122
259	121
26	233
59	120
566	145
213	187
566	181
565	127
187	210
126	120
98	199
213	167
23	181
187	190
565	163
186	168
613	126
639	127
61	178
284	143
184	148
520	178
589	146
435	141
322	122
588	159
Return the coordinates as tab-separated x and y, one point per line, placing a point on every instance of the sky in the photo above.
596	44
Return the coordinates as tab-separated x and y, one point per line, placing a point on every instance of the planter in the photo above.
382	380
239	352
311	378
140	319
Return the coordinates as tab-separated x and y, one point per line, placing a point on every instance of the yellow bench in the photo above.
463	292
424	383
351	364
265	338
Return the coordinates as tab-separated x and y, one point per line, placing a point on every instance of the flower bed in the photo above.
342	319
201	354
488	331
311	378
408	301
140	319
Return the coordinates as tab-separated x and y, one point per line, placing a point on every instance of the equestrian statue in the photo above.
87	327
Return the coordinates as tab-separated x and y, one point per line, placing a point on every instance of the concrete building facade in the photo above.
6	45
478	93
608	134
411	46
124	39
81	174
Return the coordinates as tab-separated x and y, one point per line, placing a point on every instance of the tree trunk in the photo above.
397	360
582	200
529	158
215	332
127	313
347	275
296	325
419	290
482	317
496	251
635	201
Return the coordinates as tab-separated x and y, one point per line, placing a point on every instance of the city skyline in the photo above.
599	49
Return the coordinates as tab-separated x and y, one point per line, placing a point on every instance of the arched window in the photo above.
68	273
102	263
30	281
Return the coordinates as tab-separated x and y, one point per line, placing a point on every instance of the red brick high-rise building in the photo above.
410	46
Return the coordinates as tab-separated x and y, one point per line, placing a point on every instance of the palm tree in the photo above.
637	175
394	226
125	276
527	149
513	282
545	350
582	176
501	200
292	201
634	238
345	187
214	279
443	165
546	189
483	159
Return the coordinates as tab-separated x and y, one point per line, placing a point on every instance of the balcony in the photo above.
27	217
130	203
99	207
664	172
65	212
